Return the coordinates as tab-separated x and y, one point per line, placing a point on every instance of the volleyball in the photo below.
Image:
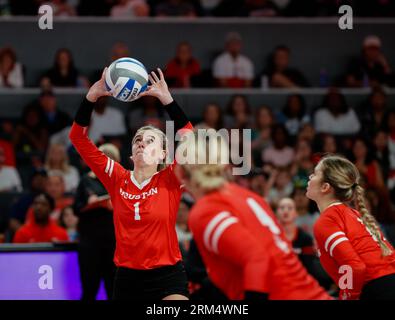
126	78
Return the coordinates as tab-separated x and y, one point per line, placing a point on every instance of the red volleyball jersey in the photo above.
144	214
348	251
245	249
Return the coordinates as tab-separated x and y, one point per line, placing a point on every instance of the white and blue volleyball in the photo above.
126	78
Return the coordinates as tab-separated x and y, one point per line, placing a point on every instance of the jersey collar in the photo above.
143	184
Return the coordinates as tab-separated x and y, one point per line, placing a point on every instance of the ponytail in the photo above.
369	221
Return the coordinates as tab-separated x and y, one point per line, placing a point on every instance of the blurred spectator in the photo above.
9	176
11	71
61	8
302	242
279	185
261	134
306	217
303	164
335	116
363	158
56	189
30	136
145	111
390	129
371	68
69	222
118	50
175	8
63	73
130	8
96	230
20	208
294	114
106	121
55	119
6	132
280	74
181	70
279	154
238	113
57	159
307	132
260	8
325	143
381	153
41	228
212	117
373	116
258	179
183	234
232	69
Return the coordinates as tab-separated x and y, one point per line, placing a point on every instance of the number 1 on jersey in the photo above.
137	211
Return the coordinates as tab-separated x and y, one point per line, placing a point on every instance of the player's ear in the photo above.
326	187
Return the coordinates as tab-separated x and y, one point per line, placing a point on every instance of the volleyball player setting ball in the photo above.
352	247
243	247
145	200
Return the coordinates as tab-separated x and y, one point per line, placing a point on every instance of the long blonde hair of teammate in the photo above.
208	169
344	178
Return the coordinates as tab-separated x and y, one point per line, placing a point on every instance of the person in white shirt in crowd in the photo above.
106	121
11	71
57	159
232	69
9	177
335	116
130	9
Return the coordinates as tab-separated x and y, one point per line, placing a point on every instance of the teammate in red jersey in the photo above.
351	245
242	245
145	201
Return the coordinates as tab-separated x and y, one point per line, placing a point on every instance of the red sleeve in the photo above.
105	168
222	234
336	253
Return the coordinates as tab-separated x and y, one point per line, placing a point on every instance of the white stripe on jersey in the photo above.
211	226
111	167
108	165
331	237
220	230
336	243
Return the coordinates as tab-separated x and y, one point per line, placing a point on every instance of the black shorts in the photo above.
382	288
153	284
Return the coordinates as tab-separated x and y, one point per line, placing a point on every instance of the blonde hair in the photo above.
64	167
207	176
165	143
344	178
111	151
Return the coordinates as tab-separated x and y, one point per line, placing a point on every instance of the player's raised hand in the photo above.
158	88
98	89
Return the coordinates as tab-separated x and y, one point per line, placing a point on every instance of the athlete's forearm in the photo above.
177	115
84	113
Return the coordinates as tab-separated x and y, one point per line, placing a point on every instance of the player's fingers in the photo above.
103	75
161	76
151	79
155	76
